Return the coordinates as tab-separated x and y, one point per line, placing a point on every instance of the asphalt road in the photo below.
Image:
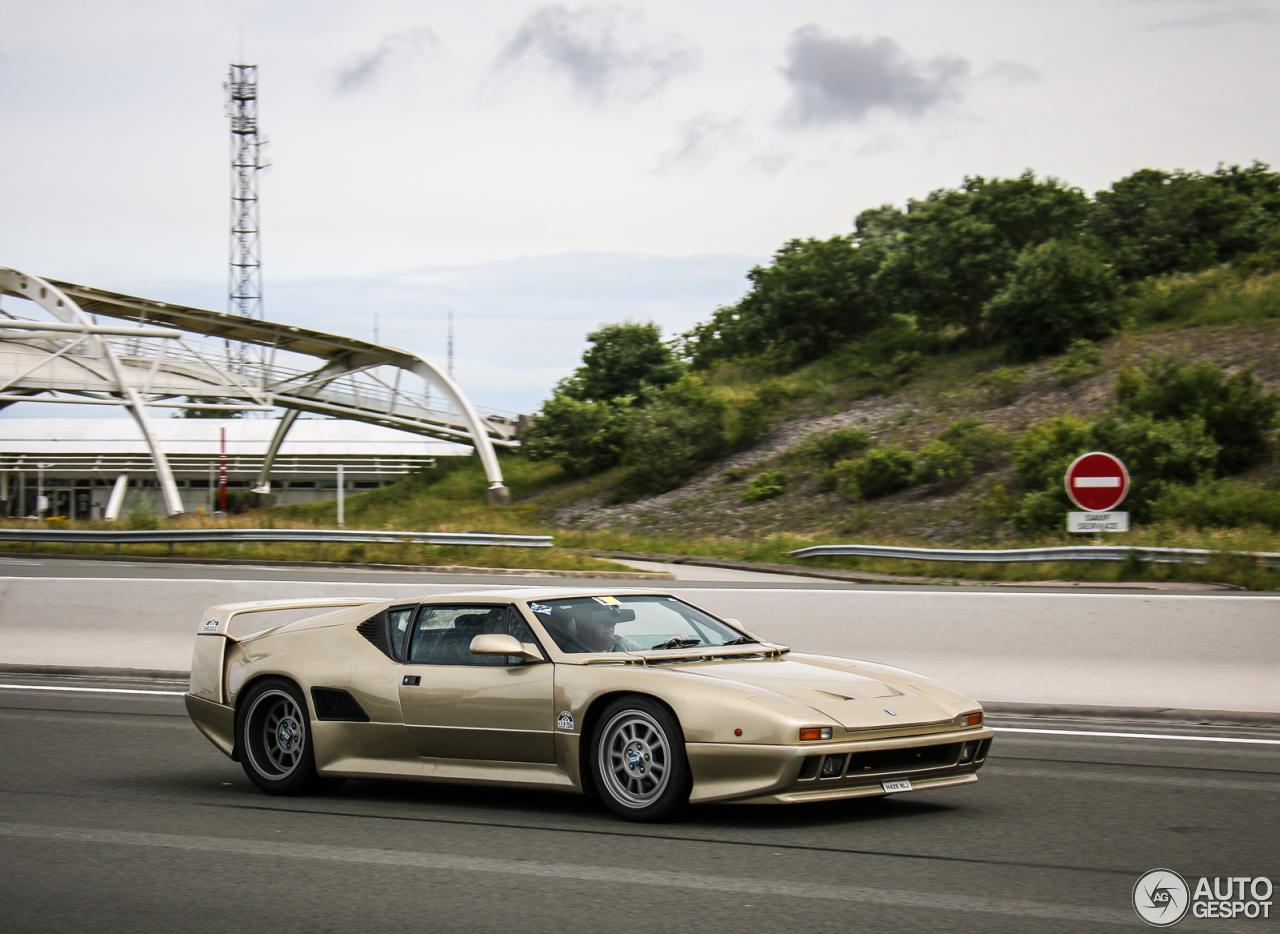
1215	652
116	815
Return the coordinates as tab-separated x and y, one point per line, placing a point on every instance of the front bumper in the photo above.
792	774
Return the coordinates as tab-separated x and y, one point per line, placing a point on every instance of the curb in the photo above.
338	565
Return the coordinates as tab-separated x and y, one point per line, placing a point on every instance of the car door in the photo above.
462	706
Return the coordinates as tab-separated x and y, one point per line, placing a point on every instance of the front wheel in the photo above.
638	760
273	734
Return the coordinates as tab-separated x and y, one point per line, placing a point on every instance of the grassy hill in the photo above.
1227	318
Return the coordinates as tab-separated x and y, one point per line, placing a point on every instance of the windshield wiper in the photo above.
677	642
741	640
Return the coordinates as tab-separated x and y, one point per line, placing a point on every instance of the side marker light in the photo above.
737	732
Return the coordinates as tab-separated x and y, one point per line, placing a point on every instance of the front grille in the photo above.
902	760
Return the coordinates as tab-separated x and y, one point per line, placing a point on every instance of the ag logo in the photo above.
1161	897
565	720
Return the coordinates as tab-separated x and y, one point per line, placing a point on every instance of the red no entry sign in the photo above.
1097	482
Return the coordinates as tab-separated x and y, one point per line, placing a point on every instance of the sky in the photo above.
541	169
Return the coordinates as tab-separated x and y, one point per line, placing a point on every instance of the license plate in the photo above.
901	784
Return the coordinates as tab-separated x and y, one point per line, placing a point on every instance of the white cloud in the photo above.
699	138
395	49
841	79
594	50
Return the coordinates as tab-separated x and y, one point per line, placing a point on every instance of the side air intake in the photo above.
337	704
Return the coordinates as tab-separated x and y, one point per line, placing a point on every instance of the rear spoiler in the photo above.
208	658
217	619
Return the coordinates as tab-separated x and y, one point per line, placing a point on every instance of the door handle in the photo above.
412	680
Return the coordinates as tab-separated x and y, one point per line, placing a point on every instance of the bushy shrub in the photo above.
880	472
1045	450
843	478
1157	455
1238	413
982	444
675	436
1219	504
754	416
1156	452
1004	385
826	449
943	464
1058	292
1082	360
766	485
1042	511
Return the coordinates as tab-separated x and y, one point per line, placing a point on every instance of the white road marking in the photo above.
448	862
44	687
1181	736
1082	775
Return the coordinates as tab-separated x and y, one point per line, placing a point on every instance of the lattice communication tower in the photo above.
245	291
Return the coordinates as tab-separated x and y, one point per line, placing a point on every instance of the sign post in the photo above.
1097	482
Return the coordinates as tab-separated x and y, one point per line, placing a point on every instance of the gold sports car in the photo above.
638	697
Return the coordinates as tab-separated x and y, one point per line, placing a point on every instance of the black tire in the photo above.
638	760
273	736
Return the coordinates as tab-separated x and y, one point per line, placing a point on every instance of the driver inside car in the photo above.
595	629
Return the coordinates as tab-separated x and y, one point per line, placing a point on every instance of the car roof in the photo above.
544	593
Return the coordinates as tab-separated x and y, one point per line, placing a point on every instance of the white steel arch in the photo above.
156	361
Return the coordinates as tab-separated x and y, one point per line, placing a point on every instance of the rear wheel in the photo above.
273	733
638	760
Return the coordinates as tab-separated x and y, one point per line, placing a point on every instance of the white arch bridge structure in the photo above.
155	355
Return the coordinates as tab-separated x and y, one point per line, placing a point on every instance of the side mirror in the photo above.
499	643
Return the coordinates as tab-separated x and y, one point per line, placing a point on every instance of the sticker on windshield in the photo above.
608	601
540	608
210	625
564	721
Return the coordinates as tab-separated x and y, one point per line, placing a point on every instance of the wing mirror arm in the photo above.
499	643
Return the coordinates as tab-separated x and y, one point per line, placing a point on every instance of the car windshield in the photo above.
631	624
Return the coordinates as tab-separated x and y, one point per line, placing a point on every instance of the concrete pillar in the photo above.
116	502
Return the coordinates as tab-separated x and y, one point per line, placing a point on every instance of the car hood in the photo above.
856	695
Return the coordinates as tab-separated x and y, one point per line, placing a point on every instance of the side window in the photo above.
399	618
442	633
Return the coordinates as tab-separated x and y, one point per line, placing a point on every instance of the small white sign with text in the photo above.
1097	522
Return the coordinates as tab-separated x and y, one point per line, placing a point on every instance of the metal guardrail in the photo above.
1067	553
173	537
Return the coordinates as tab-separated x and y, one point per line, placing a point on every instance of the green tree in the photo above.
950	253
675	436
1154	222
812	297
582	437
626	359
1059	292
